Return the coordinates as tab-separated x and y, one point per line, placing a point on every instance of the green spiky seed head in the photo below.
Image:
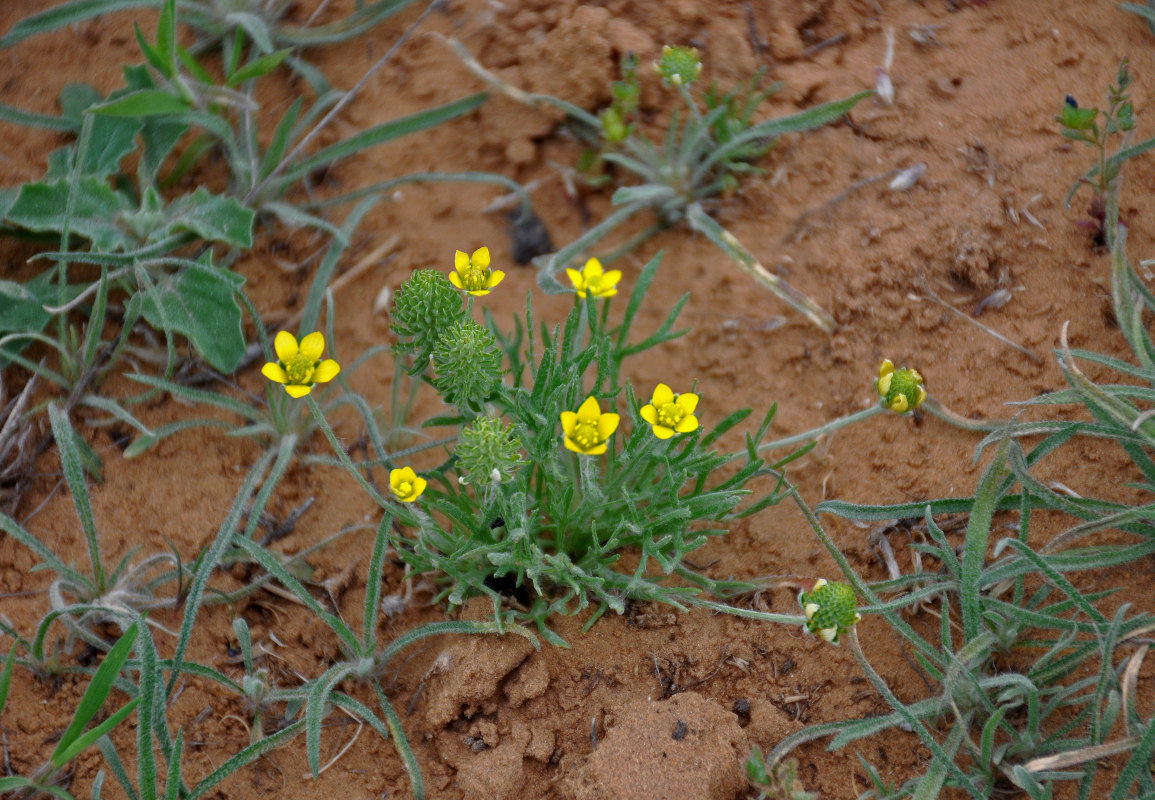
467	363
831	609
427	305
488	453
679	66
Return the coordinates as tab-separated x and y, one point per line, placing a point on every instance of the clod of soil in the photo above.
684	747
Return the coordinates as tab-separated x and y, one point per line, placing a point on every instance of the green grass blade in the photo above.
385	132
114	762
67	14
209	563
245	757
318	698
372	587
63	432
274	567
172	780
6	677
15	782
361	20
29	119
17	532
191	395
771	129
401	742
94	697
312	310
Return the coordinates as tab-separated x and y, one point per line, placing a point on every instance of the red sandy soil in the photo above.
492	718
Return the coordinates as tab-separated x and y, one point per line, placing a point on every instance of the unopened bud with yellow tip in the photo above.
901	390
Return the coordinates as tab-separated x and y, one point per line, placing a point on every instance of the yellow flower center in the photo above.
475	278
595	285
404	489
670	414
300	369
585	433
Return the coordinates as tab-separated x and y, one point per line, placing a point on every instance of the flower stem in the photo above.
937	409
829	427
342	456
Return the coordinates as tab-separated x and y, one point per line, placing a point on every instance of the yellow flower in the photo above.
299	367
588	430
406	484
901	390
472	273
593	281
671	413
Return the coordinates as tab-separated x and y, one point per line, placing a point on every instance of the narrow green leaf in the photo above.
30	119
85	740
6	677
64	434
246	757
95	695
67	14
258	68
172	781
166	37
143	103
385	132
978	534
150	53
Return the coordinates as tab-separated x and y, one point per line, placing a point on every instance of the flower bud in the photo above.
830	608
467	363
487	452
427	305
901	389
679	66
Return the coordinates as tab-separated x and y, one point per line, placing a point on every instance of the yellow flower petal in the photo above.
274	372
884	383
460	261
686	424
296	390
596	450
663	394
886	368
899	403
607	424
662	432
568	421
495	278
326	371
401	475
286	346
611	278
455	280
592	269
480	292
589	410
419	485
313	345
649	414
480	257
570	444
578	282
921	396
688	401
